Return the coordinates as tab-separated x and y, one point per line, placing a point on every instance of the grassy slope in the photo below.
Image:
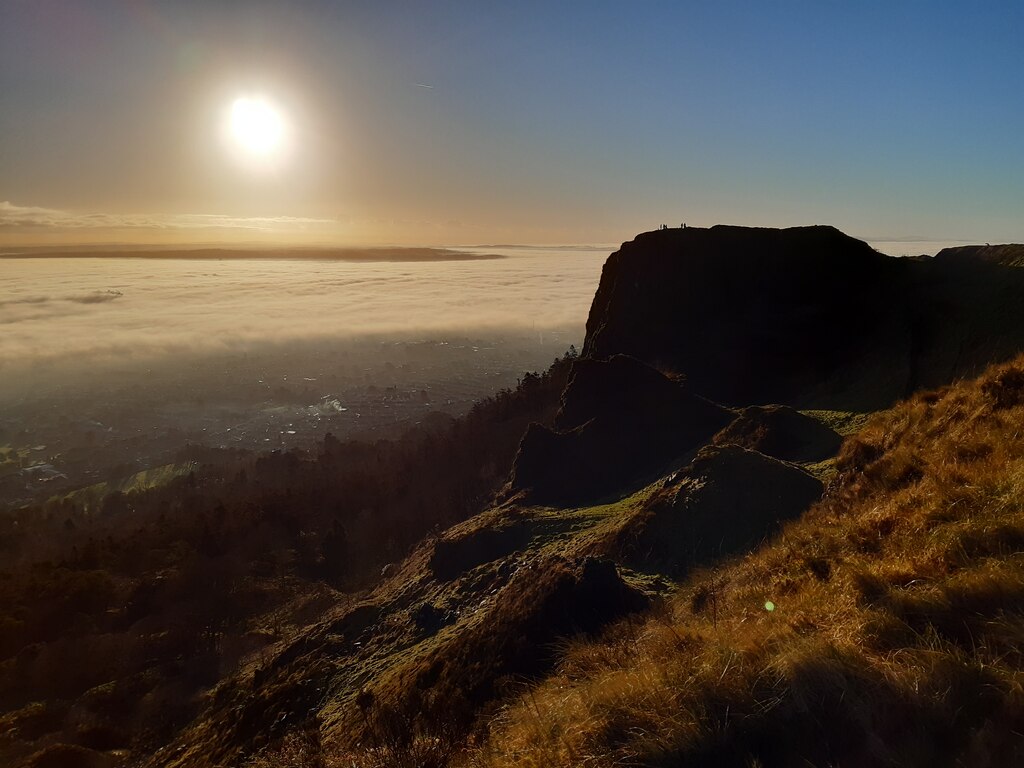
893	638
484	590
507	553
896	636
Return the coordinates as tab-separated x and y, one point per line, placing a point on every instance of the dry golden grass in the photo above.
896	638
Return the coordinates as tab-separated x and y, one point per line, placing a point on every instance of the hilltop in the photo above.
806	316
690	543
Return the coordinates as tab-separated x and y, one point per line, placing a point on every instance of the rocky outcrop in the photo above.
781	432
805	316
620	422
517	639
457	553
725	502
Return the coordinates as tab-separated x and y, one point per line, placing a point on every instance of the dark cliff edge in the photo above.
806	316
620	423
1007	255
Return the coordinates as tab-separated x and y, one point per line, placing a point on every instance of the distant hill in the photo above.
255	252
805	316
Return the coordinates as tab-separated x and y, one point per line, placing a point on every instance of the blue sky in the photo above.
545	122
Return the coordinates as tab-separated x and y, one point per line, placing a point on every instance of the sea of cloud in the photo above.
89	311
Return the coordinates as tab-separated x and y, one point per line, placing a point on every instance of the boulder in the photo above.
781	432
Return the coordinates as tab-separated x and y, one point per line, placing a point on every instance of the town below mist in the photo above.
112	367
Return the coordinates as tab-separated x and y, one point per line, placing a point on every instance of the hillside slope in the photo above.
1007	254
120	625
885	627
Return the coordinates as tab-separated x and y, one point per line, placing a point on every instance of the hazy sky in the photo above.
542	122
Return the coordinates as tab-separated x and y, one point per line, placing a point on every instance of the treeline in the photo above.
163	590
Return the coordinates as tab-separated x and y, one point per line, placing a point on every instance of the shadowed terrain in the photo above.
637	557
1007	255
807	316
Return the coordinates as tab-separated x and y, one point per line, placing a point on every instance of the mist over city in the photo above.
113	364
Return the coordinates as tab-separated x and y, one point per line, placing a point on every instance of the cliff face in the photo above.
620	421
805	316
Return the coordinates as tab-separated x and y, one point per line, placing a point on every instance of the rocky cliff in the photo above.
620	422
806	316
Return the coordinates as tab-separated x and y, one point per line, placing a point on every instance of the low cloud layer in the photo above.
87	311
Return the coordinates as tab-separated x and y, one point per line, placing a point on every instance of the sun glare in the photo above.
256	131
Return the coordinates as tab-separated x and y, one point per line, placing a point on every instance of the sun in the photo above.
256	125
256	131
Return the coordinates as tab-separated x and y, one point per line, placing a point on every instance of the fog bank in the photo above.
92	311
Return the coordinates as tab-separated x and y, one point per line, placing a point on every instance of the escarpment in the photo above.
806	316
620	422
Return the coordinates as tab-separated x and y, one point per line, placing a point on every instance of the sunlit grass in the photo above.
895	636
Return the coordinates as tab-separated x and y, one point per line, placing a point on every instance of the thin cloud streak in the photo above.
32	217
